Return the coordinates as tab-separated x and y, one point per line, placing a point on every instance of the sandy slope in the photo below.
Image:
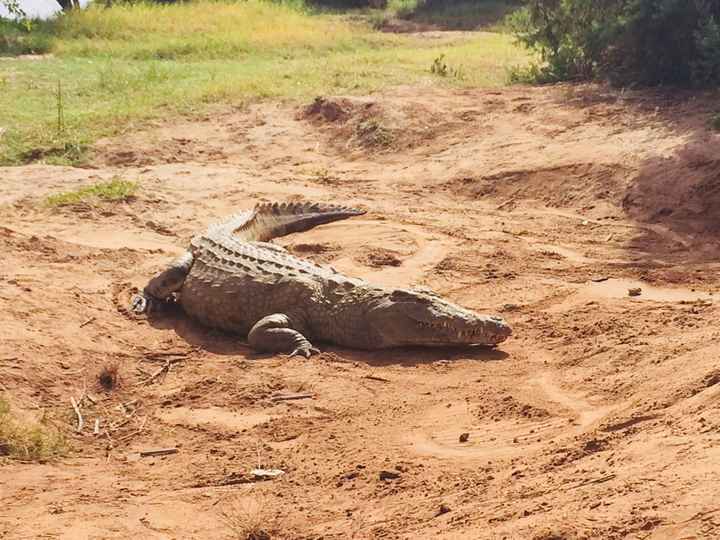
598	419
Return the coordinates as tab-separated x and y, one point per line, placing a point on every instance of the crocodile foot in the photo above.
143	304
139	304
305	351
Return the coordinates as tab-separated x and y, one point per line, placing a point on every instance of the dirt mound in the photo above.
327	110
371	126
358	123
497	406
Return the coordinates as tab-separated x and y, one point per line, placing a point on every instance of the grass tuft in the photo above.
28	441
372	133
247	519
115	190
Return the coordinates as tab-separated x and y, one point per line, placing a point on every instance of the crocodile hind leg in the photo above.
160	289
275	333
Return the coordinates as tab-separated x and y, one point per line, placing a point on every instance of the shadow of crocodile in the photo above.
225	343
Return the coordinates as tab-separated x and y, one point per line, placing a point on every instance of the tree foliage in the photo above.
625	41
13	7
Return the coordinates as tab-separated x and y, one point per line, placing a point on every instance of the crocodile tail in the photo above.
272	220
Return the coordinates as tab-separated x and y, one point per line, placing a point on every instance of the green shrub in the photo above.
115	190
18	38
706	66
624	41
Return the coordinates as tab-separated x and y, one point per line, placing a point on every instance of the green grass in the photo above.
124	65
28	441
115	190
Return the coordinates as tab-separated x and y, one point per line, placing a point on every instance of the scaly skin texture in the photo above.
233	279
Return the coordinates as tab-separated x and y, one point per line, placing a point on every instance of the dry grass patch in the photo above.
248	519
31	441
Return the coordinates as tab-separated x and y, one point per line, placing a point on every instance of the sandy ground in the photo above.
599	418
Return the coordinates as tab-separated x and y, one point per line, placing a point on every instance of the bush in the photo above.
625	41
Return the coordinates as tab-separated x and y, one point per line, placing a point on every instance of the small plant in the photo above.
323	176
115	190
109	377
247	519
533	74
27	441
372	132
60	110
441	68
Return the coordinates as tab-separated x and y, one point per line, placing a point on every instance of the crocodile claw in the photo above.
139	304
304	351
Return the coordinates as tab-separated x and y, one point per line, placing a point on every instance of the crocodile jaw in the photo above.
483	330
417	318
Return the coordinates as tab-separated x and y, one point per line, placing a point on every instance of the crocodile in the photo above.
234	278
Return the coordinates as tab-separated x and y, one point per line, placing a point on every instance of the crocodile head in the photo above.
406	317
162	286
170	281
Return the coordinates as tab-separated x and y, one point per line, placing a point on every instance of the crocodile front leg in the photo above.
275	333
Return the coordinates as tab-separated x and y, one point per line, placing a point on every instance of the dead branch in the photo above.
91	319
289	397
164	356
376	378
77	412
166	367
158	452
701	514
110	447
600	480
123	407
143	372
134	433
115	427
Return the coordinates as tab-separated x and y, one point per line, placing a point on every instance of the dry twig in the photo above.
289	397
134	433
600	480
76	407
91	319
158	452
166	367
